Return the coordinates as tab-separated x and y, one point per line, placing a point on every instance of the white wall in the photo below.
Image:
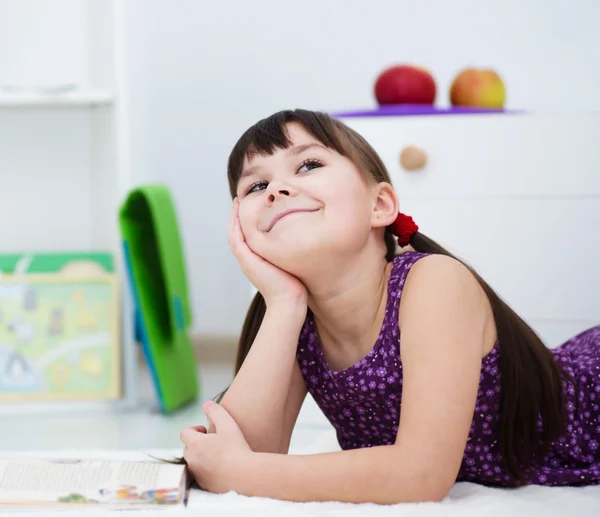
201	72
42	43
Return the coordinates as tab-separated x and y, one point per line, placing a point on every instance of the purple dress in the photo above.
362	402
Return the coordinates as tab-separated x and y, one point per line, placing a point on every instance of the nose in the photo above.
278	193
279	189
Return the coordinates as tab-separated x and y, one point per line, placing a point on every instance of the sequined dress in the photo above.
363	401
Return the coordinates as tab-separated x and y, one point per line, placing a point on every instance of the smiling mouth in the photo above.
278	217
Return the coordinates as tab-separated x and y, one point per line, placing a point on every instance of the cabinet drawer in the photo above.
490	154
539	255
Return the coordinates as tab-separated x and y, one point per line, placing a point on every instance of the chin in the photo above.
301	249
294	252
295	256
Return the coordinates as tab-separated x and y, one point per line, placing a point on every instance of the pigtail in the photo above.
254	318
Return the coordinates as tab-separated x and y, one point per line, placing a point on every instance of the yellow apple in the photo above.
478	87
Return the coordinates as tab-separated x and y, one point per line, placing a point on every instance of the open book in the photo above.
41	483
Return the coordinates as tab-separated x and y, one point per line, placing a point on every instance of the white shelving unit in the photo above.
64	162
85	98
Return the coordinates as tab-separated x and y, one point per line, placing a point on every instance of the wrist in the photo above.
241	471
294	309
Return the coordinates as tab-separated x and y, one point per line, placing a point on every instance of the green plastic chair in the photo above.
155	264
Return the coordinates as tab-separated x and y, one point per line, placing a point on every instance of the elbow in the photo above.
417	486
416	495
267	443
266	446
422	494
425	494
432	488
437	494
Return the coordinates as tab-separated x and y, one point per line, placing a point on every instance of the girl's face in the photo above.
303	202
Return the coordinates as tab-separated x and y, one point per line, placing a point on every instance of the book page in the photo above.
32	480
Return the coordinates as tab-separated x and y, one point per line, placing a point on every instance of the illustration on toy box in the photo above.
59	337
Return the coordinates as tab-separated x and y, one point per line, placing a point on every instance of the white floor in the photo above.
141	429
135	434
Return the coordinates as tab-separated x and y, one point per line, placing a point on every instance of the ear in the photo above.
385	205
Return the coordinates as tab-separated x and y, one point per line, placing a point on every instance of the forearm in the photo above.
382	475
257	397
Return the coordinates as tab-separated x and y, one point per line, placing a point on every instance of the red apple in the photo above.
405	84
476	87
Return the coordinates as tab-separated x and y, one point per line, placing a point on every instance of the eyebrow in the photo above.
293	151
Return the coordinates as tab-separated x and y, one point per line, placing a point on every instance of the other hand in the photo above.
214	459
275	284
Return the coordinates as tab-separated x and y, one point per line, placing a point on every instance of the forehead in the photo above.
297	135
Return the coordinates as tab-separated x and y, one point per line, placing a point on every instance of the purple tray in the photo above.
406	110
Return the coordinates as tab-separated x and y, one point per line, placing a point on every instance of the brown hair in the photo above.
531	381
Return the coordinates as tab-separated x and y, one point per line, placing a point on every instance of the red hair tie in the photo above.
404	228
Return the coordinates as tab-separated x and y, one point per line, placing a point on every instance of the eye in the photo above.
306	166
256	186
309	165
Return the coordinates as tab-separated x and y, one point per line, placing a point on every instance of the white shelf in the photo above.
64	141
75	98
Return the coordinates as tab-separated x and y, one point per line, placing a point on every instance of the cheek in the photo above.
349	209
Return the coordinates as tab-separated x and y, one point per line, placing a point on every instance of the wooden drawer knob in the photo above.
412	158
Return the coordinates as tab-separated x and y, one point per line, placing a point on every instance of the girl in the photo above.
426	374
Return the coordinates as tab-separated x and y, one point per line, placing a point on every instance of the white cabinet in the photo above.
64	162
515	195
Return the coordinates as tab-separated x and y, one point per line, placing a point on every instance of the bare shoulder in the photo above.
442	289
441	273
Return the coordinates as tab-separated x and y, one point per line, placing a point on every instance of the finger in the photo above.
244	251
232	218
187	455
200	428
240	247
238	223
238	234
221	419
248	259
189	435
237	241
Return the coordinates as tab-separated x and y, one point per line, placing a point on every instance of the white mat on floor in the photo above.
465	499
